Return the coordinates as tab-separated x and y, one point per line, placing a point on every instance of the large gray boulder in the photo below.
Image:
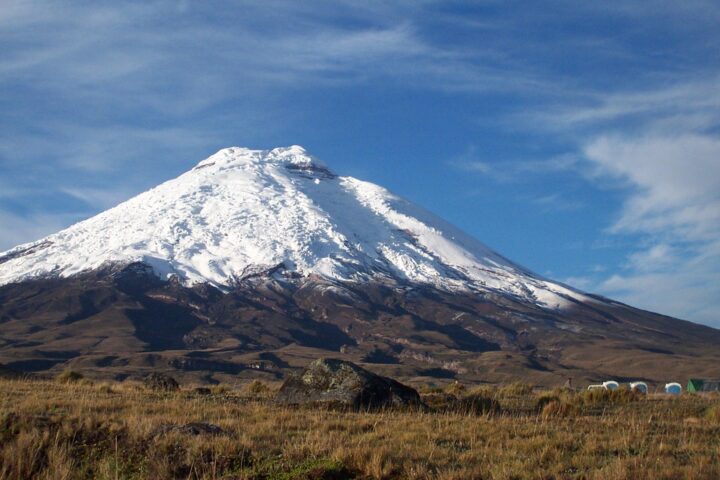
336	382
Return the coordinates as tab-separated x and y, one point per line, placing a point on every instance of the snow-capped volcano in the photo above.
242	212
256	260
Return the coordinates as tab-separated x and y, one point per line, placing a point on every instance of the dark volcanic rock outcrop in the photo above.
339	382
194	429
161	382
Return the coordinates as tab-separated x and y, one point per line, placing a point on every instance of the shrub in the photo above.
477	405
602	396
441	402
490	391
69	376
105	388
129	385
559	408
516	389
219	389
429	388
545	400
455	388
258	388
712	414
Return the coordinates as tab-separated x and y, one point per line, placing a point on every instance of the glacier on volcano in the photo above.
243	211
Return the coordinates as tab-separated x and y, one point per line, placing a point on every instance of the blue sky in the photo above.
580	139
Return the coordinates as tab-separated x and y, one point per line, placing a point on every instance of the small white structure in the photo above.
673	388
639	387
597	387
611	385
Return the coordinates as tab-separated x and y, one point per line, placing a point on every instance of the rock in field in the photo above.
342	383
161	382
195	428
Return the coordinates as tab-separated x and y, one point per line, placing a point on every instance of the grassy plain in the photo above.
76	429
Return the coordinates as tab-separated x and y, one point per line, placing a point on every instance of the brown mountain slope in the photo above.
121	322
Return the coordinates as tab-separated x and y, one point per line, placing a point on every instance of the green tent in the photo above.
696	385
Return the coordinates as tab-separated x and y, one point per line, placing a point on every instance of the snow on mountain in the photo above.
242	211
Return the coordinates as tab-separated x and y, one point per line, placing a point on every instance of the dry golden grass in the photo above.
60	430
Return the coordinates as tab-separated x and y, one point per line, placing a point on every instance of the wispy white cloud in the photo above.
659	149
161	58
668	165
656	258
513	170
99	198
674	198
471	161
555	202
675	183
686	292
583	283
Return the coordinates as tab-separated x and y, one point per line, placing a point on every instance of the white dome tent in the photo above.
639	387
611	385
673	388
